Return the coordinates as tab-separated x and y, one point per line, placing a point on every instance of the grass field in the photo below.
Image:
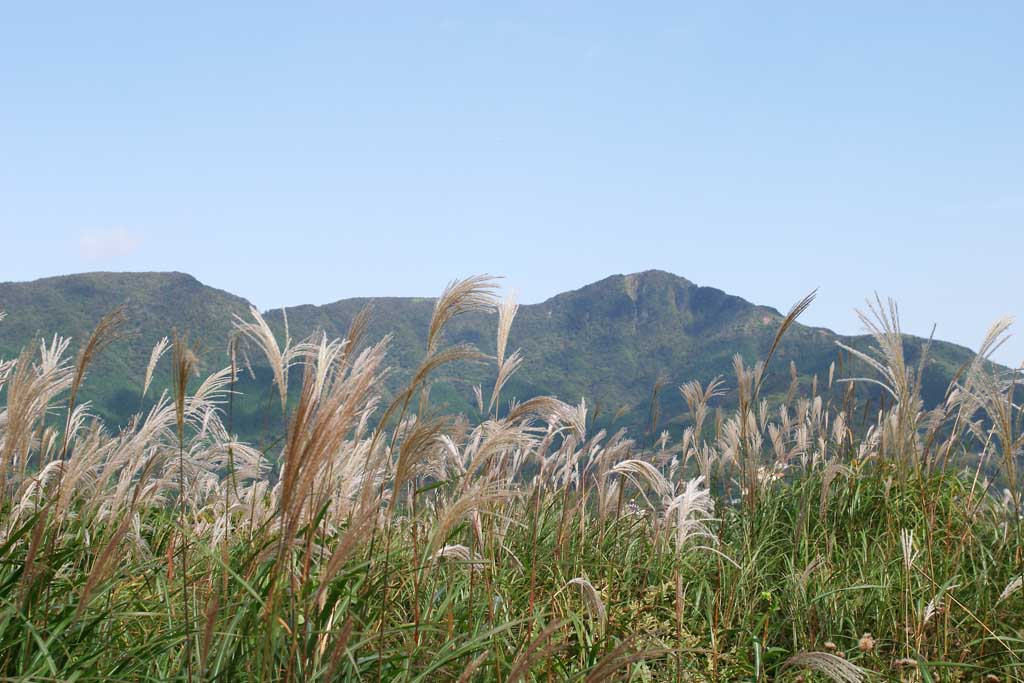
805	538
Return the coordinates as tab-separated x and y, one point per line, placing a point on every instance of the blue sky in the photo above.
306	152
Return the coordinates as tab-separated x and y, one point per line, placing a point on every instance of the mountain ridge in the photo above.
609	340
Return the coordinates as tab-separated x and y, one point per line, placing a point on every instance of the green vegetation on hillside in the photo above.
610	342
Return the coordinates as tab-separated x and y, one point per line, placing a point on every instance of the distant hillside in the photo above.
156	303
609	341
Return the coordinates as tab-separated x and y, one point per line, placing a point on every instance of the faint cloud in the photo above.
105	245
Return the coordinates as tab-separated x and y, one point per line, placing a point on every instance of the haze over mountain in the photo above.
609	341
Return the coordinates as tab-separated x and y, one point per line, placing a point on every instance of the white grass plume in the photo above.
640	472
690	512
458	553
1011	588
280	357
592	599
830	665
154	357
908	548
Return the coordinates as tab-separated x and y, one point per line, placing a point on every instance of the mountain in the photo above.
155	305
609	341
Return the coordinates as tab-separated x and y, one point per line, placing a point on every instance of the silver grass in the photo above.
506	314
690	512
505	370
836	668
154	357
459	553
1011	588
640	472
474	294
937	604
908	548
473	499
592	600
279	357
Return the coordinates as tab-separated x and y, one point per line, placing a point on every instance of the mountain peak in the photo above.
659	279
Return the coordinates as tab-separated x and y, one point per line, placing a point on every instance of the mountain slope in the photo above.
609	341
155	305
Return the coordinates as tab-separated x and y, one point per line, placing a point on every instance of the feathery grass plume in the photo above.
883	323
507	310
107	331
794	384
689	512
592	600
420	445
832	470
901	382
475	498
459	553
937	604
505	370
908	548
456	552
698	397
106	559
795	312
555	413
324	356
986	391
640	472
184	365
476	293
280	357
357	330
211	612
654	408
31	388
827	664
399	405
997	334
493	442
154	357
318	428
1011	588
622	411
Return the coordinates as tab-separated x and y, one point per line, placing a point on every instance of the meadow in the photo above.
843	531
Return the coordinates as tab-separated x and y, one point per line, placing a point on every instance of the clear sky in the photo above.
307	152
